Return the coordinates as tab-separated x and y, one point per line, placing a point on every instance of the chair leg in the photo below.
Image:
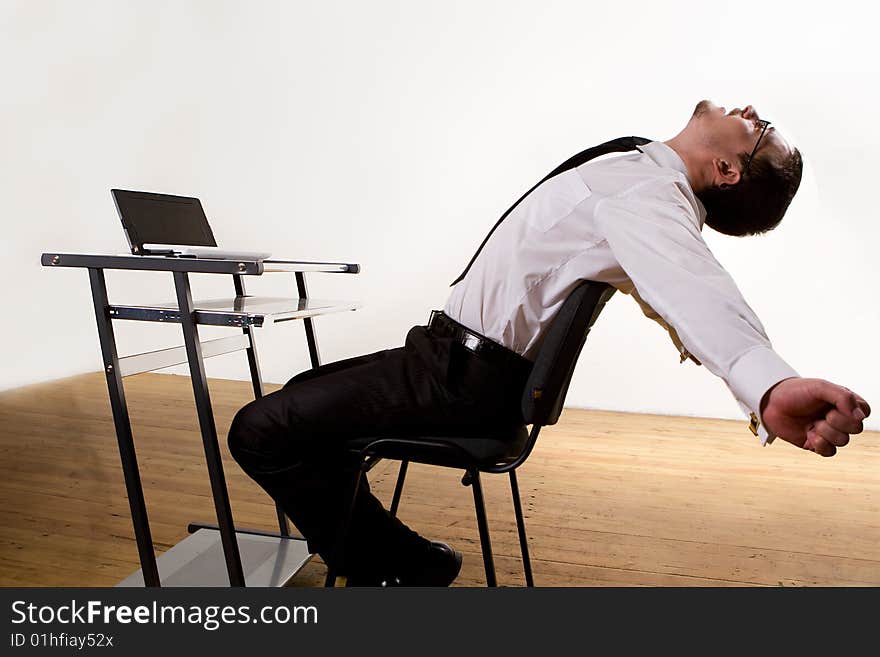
339	547
521	527
398	489
484	527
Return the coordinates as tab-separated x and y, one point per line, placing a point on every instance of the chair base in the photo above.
470	478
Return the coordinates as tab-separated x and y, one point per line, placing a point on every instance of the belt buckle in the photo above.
471	341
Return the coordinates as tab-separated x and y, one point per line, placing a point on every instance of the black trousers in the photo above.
294	442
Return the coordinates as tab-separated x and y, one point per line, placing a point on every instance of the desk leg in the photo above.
208	429
307	322
257	380
133	486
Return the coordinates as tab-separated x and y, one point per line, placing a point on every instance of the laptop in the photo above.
163	224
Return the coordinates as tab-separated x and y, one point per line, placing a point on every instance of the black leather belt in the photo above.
444	325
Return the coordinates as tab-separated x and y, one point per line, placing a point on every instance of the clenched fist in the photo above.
813	414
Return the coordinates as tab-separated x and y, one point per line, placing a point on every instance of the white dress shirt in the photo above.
634	222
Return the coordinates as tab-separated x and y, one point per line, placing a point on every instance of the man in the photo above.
633	221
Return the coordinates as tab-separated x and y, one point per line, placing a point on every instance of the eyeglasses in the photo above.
757	143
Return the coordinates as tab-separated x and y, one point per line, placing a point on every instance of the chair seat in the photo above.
450	451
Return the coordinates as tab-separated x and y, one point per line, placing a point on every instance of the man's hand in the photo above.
813	414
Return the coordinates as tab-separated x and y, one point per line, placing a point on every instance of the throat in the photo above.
690	160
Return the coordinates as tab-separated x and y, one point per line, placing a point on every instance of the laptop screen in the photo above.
150	218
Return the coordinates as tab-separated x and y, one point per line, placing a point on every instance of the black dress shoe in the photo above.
438	566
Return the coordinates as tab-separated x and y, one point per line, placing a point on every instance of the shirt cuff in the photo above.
752	375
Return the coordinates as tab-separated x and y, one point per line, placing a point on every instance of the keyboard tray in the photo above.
236	311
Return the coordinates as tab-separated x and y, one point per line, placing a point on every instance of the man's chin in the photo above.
702	107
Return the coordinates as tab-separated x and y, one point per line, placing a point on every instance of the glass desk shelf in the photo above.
239	311
193	265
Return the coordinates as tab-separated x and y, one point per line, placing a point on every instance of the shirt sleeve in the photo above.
655	240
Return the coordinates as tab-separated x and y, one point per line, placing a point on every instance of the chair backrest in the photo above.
548	382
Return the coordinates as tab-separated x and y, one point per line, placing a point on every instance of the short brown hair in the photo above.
757	203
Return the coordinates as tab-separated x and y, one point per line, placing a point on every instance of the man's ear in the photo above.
725	173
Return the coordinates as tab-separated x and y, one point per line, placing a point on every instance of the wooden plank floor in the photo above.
610	498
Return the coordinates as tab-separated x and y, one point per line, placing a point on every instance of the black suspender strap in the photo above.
619	145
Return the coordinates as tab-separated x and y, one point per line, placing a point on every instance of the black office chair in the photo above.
542	401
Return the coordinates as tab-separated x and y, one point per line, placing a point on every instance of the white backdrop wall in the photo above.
394	134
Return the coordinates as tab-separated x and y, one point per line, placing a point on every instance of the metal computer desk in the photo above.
253	558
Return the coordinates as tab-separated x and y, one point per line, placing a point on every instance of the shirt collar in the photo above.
665	156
